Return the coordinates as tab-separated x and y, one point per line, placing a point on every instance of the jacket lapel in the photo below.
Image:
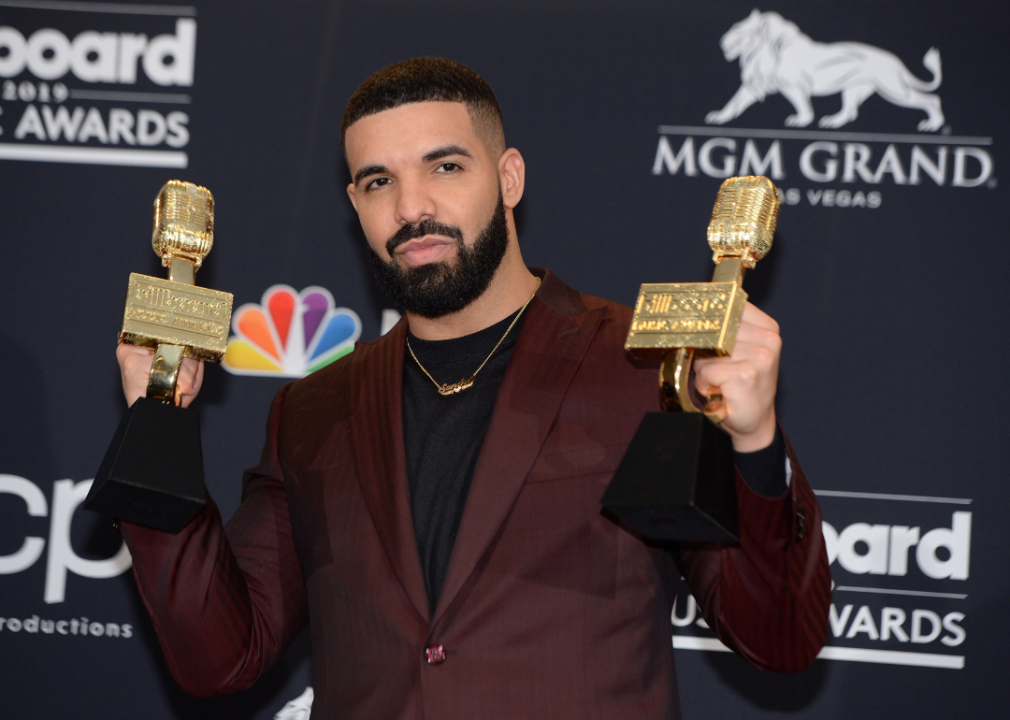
377	434
551	345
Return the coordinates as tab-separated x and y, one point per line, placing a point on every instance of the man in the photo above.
430	503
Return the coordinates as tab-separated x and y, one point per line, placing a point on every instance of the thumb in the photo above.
190	381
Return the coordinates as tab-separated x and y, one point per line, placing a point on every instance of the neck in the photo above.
509	290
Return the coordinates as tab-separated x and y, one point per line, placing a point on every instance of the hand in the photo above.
747	380
135	368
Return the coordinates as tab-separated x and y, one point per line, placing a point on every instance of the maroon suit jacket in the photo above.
550	609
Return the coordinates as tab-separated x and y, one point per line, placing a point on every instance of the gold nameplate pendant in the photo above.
456	387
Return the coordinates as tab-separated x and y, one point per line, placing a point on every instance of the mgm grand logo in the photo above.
775	57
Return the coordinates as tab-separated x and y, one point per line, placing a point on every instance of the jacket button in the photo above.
435	654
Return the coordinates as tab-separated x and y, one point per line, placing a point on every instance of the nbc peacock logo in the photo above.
290	333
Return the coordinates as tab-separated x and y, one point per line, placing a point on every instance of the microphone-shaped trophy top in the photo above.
183	222
743	220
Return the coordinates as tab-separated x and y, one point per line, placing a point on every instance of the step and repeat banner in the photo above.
883	124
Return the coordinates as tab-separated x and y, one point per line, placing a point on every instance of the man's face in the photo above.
427	193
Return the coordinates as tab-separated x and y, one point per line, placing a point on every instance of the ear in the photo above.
512	177
352	194
755	13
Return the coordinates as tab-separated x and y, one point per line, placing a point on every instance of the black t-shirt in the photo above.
443	436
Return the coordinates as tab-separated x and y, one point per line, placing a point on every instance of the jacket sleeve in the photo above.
767	599
225	602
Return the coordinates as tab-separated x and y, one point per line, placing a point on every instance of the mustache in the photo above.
425	227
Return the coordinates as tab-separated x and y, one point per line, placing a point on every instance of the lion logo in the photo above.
775	57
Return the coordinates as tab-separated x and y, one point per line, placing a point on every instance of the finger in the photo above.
187	375
756	336
725	375
764	358
762	361
748	393
190	380
765	352
134	368
123	349
131	355
755	316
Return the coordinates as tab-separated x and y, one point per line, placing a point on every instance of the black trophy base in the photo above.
152	473
677	480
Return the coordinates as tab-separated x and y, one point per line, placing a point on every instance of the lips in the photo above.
427	249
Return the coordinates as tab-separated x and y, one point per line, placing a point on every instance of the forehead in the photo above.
407	132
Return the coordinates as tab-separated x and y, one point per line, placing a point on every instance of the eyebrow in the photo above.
369	170
446	151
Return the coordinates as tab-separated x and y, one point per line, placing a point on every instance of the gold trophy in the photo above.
152	473
677	480
175	316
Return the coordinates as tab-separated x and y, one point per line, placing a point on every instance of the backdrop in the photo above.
879	121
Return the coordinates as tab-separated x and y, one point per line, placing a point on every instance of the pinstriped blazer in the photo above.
550	608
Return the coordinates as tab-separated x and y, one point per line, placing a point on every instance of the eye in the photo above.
447	167
377	183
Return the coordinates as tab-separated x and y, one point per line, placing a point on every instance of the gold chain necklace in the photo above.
457	387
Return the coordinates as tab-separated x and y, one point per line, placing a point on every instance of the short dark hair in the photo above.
427	79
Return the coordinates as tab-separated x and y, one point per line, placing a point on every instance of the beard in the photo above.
437	289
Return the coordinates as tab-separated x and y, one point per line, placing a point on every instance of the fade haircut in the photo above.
428	79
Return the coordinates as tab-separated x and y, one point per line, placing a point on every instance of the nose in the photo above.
414	202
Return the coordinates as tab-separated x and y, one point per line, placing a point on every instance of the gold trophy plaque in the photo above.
152	473
677	481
